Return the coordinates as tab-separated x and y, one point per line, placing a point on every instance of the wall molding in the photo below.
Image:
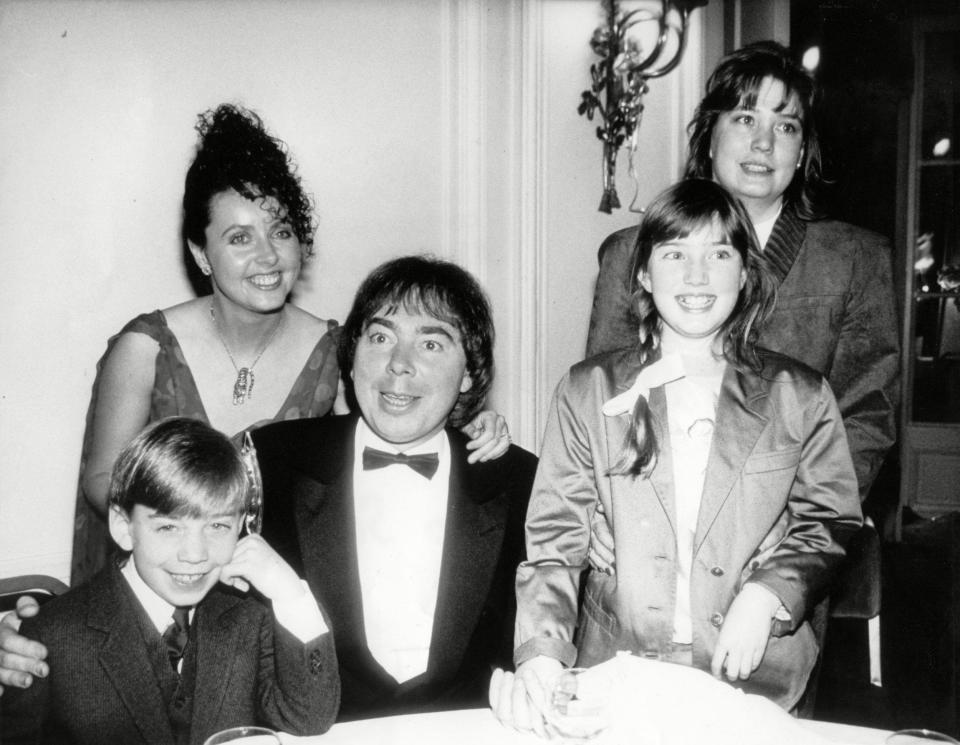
464	109
494	48
531	299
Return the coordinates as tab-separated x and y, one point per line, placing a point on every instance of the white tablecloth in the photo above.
644	702
478	727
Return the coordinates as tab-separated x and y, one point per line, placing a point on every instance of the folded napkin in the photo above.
649	702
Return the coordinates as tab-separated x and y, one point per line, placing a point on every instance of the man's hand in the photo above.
519	699
489	436
745	632
20	658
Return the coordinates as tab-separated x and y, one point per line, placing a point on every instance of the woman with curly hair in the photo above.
240	356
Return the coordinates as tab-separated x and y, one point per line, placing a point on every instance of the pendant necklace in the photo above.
243	385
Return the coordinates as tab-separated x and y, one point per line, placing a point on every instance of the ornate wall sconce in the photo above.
620	77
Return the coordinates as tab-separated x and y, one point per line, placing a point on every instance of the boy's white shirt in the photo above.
300	616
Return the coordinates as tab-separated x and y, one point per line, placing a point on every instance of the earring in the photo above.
205	269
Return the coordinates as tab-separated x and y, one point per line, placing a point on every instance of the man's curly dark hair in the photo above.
425	284
236	152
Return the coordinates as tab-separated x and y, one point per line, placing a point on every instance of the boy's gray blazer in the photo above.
102	688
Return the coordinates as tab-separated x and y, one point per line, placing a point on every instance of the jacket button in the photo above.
717	571
717	619
754	566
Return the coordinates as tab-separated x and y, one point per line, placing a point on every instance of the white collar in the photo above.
764	228
159	611
366	437
666	369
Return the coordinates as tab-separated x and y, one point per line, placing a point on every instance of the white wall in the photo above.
447	126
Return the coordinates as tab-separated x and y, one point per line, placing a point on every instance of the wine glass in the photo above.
245	736
579	706
918	736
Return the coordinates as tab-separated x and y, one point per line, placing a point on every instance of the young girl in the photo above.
721	468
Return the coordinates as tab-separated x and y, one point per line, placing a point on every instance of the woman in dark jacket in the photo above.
754	134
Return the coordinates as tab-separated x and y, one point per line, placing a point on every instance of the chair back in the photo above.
40	587
855	592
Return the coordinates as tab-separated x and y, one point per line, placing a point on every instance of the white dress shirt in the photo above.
764	228
691	413
159	611
400	520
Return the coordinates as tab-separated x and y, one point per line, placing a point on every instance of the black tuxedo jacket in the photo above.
102	687
307	468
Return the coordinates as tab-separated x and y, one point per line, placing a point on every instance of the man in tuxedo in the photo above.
410	549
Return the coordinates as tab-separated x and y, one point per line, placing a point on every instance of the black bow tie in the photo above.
425	464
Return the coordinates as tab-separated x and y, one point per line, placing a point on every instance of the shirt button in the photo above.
717	571
717	619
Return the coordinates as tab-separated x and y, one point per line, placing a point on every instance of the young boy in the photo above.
123	671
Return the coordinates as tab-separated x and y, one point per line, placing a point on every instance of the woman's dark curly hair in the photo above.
677	212
734	83
236	152
423	284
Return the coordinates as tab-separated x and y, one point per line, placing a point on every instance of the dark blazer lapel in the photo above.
326	524
218	639
742	414
784	243
125	659
473	534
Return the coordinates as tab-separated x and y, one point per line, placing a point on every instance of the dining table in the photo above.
626	700
480	727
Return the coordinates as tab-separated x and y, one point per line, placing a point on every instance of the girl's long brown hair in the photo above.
675	214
